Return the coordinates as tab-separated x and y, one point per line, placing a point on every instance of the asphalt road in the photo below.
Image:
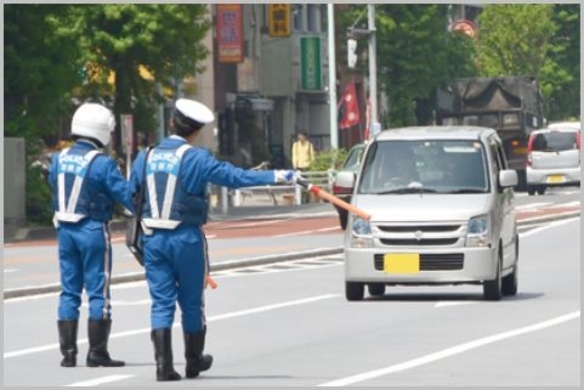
32	266
289	324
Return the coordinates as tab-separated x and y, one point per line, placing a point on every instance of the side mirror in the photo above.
508	178
345	180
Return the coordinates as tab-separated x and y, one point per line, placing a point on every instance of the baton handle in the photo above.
333	199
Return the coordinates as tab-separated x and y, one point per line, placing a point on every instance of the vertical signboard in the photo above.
229	33
310	64
279	20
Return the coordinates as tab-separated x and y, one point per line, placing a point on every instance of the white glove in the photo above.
282	176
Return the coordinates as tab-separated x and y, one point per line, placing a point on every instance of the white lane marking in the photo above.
458	349
307	232
9	270
567	204
102	380
531	205
219	317
548	226
453	303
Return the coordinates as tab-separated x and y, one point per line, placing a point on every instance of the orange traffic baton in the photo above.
209	280
333	199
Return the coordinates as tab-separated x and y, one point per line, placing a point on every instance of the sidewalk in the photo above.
249	212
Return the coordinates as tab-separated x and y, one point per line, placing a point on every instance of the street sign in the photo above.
279	20
310	62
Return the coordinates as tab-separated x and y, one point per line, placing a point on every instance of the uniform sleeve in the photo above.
204	167
116	185
52	177
135	181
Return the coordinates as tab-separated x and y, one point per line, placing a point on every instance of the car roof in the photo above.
436	132
555	129
565	125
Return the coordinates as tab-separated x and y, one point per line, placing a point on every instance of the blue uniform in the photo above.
85	184
175	208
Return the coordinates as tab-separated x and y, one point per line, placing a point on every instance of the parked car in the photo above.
351	165
553	157
442	211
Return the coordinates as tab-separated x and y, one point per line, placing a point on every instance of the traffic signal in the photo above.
279	20
351	52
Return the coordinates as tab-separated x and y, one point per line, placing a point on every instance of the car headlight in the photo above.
361	234
478	231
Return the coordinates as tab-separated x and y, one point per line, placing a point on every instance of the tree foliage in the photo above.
39	72
540	40
139	44
415	54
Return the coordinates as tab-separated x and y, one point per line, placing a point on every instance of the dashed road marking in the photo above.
100	381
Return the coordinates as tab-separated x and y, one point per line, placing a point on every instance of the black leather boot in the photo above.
68	342
98	332
162	339
196	361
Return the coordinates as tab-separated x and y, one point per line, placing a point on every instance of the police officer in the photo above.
86	183
175	247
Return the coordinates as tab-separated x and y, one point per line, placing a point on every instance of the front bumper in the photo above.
437	266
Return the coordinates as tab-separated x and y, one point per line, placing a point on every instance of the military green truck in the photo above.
513	106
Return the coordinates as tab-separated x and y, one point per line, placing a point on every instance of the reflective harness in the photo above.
161	218
79	166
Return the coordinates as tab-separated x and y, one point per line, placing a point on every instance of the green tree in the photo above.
165	40
526	39
415	54
564	100
40	70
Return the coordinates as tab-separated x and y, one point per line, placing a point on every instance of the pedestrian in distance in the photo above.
302	152
175	175
86	183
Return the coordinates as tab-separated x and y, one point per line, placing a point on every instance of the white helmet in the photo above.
92	120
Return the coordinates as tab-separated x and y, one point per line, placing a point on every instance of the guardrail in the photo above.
276	194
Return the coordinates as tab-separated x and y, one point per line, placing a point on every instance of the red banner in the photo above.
349	107
229	33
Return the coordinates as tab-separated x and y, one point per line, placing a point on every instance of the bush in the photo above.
38	197
329	159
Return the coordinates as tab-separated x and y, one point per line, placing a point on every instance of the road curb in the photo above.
252	261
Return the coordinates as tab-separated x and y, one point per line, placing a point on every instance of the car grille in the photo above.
420	234
415	242
431	261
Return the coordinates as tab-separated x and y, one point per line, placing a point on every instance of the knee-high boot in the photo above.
196	361
68	342
162	339
98	332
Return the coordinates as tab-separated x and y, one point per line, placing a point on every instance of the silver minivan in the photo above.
553	157
442	212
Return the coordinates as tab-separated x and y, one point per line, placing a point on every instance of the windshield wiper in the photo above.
407	190
467	191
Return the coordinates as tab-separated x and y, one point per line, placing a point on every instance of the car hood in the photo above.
423	207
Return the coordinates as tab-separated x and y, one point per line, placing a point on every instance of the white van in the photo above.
442	212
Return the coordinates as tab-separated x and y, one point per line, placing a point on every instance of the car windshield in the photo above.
353	158
554	141
432	167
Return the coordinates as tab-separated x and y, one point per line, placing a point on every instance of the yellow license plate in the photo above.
401	263
555	179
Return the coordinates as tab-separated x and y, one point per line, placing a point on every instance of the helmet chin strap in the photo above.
90	140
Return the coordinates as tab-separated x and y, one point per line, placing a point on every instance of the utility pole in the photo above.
374	123
332	77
